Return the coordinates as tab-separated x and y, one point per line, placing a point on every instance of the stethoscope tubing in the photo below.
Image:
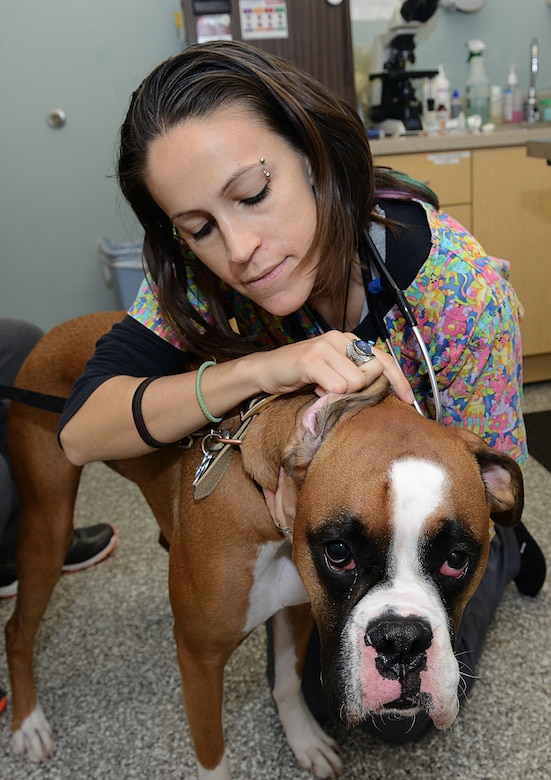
370	256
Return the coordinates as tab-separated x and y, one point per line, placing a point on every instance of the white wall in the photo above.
56	194
56	197
506	27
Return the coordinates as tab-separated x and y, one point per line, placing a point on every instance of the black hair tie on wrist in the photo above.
138	416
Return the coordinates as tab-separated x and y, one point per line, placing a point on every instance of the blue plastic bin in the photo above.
122	269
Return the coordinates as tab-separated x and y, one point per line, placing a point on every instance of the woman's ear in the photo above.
308	170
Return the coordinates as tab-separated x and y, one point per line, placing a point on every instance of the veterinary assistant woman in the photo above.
254	186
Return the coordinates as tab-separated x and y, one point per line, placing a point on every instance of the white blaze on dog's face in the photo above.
397	638
391	539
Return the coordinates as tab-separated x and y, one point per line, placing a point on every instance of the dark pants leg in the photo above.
17	338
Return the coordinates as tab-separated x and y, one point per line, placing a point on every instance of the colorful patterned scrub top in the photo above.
468	315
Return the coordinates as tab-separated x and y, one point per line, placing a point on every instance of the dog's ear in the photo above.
314	424
292	427
502	477
320	418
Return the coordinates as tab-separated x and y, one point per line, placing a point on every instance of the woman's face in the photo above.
250	229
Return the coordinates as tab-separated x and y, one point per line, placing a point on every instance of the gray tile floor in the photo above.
109	681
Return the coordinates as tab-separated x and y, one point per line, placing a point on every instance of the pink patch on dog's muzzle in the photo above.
377	691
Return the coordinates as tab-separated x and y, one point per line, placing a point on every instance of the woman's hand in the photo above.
103	427
322	362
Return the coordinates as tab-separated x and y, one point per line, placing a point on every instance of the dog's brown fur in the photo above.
48	485
209	622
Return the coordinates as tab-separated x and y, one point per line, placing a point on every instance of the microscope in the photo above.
394	105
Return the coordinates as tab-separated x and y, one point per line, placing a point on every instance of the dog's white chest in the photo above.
276	584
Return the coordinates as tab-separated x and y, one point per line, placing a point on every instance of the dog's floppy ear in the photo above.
314	424
502	477
320	418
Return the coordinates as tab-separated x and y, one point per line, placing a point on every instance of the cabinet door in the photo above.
447	173
318	37
512	219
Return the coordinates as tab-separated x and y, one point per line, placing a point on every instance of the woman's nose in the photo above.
241	242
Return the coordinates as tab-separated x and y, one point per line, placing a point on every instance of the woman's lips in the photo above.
267	277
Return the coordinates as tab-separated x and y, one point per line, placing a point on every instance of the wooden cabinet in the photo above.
512	219
316	35
447	173
504	198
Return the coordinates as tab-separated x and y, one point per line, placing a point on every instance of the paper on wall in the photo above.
263	19
371	10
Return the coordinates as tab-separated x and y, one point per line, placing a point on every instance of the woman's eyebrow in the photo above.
237	175
223	190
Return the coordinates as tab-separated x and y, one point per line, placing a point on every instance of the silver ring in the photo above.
359	352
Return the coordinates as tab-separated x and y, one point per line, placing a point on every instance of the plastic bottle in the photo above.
496	104
442	92
477	87
456	105
431	121
512	98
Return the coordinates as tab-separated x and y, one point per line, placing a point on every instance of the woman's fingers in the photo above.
382	364
395	376
323	362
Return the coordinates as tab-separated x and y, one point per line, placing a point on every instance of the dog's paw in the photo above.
313	748
34	740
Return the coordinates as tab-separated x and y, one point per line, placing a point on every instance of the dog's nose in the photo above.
401	644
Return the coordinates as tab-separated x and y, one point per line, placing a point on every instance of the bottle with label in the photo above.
512	98
477	87
442	93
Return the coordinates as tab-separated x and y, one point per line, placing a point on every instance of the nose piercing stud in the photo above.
266	173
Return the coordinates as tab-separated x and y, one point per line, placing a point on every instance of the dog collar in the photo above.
219	446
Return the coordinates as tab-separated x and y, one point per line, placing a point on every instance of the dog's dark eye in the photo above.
338	556
456	565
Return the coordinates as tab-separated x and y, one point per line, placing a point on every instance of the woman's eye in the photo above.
203	232
456	565
207	228
339	556
258	198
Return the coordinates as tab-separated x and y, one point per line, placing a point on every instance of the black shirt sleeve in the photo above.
128	349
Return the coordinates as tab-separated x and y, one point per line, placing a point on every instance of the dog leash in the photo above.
219	446
50	403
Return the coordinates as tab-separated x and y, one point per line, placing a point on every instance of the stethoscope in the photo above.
378	279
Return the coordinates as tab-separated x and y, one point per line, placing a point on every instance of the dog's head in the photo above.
391	538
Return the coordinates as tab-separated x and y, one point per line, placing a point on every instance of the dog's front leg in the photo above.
209	605
313	748
202	682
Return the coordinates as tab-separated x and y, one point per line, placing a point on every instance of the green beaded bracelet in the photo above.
199	395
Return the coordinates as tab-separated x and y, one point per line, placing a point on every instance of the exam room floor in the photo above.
109	681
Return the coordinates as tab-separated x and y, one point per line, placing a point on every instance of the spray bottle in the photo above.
477	87
512	98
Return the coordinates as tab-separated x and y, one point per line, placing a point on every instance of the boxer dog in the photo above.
381	533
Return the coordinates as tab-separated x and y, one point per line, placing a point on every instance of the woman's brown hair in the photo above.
292	104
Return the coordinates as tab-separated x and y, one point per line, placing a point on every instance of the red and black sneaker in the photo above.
90	545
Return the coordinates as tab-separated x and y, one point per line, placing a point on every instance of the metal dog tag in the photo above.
203	465
210	445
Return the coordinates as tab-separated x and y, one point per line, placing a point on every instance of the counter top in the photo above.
503	135
539	147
